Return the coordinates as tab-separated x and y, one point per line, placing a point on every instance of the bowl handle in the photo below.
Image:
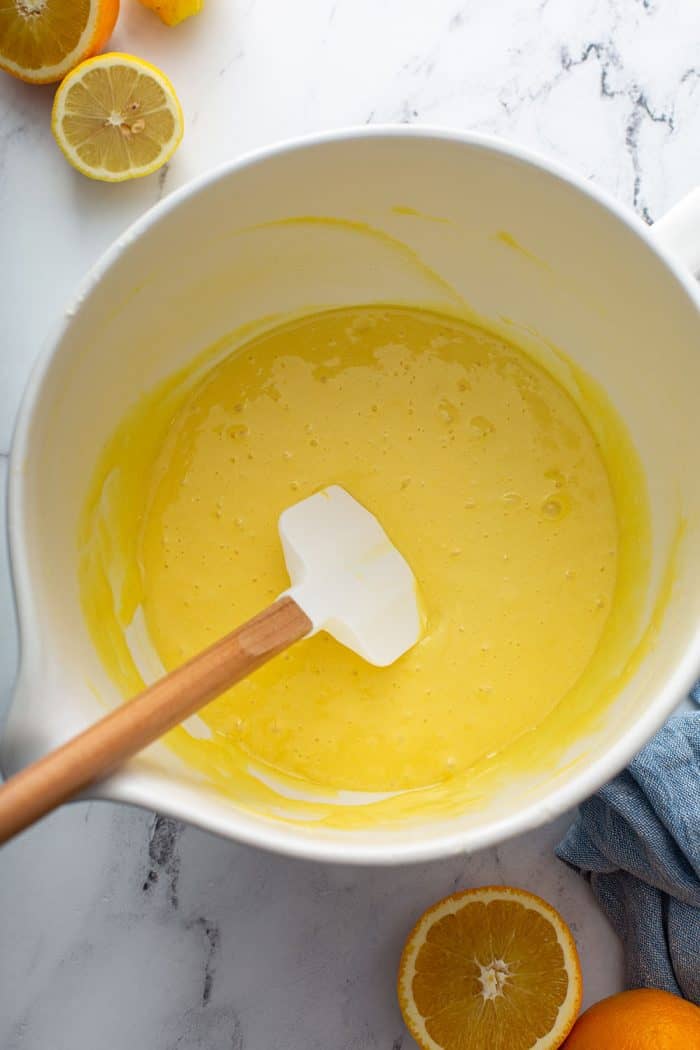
679	231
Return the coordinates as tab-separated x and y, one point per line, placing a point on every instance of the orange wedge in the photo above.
490	969
42	40
117	117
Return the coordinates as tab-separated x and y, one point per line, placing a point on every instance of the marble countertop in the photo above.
119	928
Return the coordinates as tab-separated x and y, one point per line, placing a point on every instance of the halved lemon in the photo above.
117	117
41	40
490	969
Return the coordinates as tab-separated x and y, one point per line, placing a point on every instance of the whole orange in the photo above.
644	1019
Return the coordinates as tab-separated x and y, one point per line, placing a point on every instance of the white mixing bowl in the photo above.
618	297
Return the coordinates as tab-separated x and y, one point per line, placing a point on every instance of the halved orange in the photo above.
117	117
494	968
42	40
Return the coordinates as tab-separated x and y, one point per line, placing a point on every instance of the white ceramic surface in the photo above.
214	257
232	948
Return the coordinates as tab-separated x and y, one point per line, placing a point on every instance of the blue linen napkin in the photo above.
637	841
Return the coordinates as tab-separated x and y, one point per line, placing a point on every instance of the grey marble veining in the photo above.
119	928
158	934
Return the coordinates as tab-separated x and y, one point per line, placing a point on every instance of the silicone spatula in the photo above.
346	578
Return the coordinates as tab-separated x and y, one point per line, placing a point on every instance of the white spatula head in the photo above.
348	577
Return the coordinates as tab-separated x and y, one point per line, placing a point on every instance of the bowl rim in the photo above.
150	790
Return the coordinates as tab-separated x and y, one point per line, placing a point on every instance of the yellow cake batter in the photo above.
482	470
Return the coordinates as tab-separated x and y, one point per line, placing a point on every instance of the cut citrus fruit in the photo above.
173	11
644	1019
42	40
490	969
117	117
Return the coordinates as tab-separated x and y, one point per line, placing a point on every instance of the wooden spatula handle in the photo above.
97	751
